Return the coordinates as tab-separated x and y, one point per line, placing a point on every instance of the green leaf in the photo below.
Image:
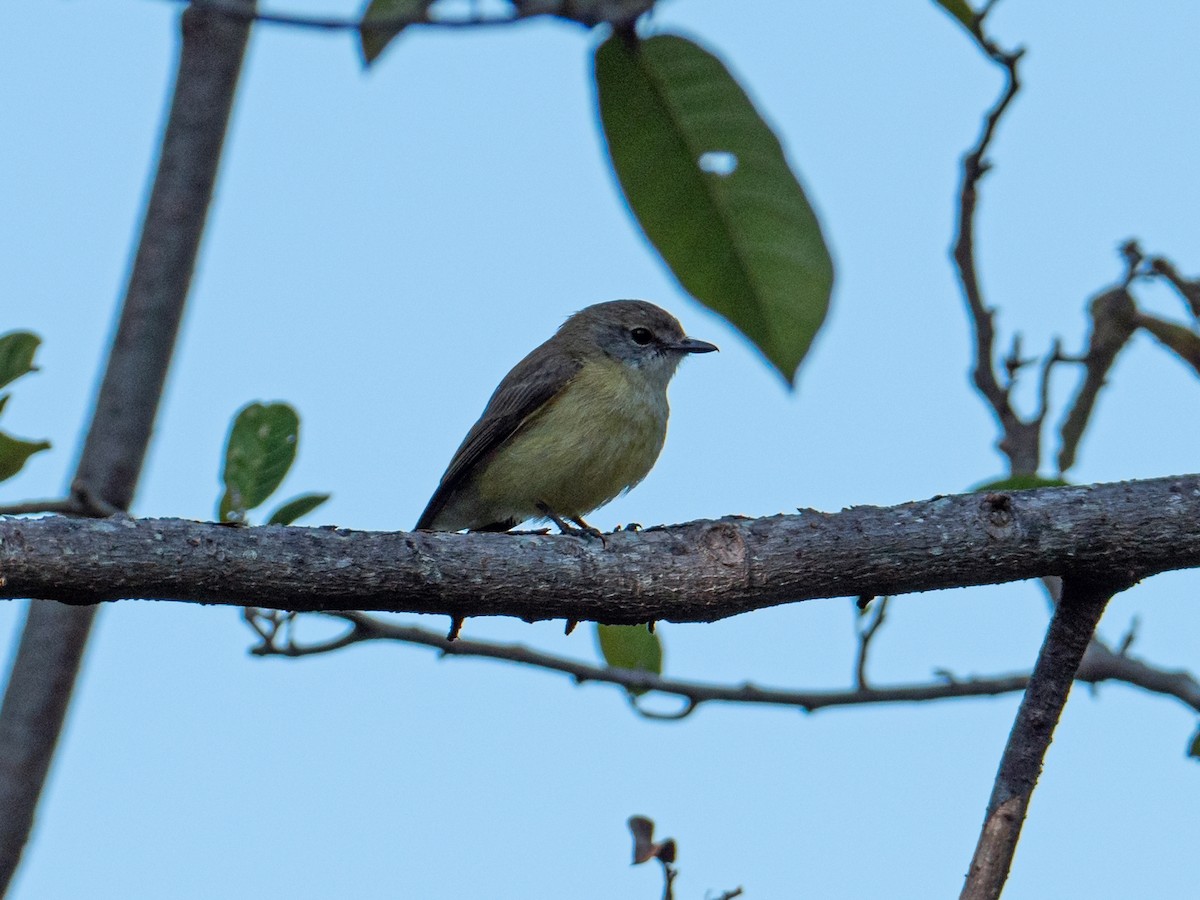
710	185
260	450
14	453
1019	483
373	41
1174	337
16	354
1194	746
294	509
630	647
961	11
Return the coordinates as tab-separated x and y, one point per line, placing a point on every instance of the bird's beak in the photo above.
691	345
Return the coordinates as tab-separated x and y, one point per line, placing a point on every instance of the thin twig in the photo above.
1053	358
1070	633
669	875
1188	288
1101	664
65	507
584	14
54	636
1020	440
865	636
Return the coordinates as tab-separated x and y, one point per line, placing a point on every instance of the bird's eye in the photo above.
641	335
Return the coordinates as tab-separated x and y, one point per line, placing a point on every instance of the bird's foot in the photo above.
579	529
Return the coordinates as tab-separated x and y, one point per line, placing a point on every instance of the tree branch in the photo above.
1100	664
1020	440
866	634
697	572
54	636
33	507
586	12
1071	630
1114	320
1188	288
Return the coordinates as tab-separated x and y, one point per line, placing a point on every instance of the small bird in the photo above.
578	421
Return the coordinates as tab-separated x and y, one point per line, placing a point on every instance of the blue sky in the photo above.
385	245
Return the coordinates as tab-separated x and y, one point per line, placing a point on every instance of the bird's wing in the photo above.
532	383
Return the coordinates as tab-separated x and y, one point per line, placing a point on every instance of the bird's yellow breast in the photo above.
598	437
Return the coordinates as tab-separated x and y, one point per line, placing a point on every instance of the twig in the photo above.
32	507
1053	358
670	873
1114	320
1131	252
83	503
586	14
54	636
1188	288
1020	440
1129	637
1100	665
1067	639
865	636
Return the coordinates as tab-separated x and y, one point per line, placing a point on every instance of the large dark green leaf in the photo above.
14	453
710	185
630	647
260	450
374	40
294	509
16	354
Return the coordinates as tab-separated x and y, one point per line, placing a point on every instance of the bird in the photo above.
577	422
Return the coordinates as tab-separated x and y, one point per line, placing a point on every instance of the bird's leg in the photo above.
583	529
586	528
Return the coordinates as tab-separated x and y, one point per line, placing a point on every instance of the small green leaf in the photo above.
294	509
1194	746
374	40
260	450
630	647
16	354
14	453
961	11
1174	337
710	185
1019	483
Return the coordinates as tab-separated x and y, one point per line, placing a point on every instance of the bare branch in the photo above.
1100	664
1131	252
1188	288
1020	440
697	572
865	636
1067	639
1114	320
617	12
1053	358
34	507
54	636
